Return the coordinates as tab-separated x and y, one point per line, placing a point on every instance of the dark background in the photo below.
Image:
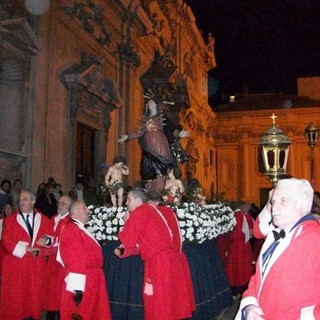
260	46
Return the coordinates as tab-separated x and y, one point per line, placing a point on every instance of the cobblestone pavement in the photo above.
230	313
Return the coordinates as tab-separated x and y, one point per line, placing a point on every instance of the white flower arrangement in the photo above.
105	223
197	223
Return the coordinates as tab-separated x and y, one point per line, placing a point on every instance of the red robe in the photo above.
82	257
290	288
239	267
22	274
54	271
168	292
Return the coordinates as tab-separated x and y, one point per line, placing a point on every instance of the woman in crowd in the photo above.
5	193
46	202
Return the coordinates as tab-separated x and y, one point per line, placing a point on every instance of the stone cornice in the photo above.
87	76
19	34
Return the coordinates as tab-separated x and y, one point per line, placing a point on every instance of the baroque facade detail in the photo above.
91	16
90	93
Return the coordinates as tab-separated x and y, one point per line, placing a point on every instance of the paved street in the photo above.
230	313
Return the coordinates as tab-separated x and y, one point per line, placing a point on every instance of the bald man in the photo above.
84	289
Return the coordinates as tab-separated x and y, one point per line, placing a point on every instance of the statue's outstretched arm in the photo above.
123	138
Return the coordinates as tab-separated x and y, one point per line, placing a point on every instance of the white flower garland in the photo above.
197	223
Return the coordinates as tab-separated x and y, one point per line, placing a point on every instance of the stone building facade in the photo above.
239	126
73	79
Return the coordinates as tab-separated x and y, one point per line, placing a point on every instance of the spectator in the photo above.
57	192
6	211
78	192
154	233
84	289
285	285
46	202
5	193
17	187
52	181
41	188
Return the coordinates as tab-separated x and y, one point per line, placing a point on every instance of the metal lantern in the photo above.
275	151
311	133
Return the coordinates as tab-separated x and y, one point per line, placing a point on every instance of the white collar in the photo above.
26	214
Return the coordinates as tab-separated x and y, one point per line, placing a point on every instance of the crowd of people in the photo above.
37	268
47	194
57	263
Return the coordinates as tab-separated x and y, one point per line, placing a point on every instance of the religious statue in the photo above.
157	155
113	180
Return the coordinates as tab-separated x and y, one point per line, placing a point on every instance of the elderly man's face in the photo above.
132	203
82	212
63	205
25	202
286	208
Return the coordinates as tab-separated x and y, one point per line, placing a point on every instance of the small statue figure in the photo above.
173	188
113	180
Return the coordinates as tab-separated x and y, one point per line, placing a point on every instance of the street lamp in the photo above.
275	151
311	133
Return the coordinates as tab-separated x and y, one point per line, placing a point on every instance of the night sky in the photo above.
259	44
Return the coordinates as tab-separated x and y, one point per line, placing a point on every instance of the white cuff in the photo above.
20	249
307	313
244	303
75	281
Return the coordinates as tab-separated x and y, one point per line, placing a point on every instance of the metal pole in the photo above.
312	168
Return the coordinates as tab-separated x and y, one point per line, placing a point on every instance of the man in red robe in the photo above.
54	271
239	259
154	233
286	283
84	291
23	266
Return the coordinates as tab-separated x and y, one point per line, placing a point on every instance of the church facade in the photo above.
73	79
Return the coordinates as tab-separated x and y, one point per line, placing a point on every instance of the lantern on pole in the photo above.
275	151
311	133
